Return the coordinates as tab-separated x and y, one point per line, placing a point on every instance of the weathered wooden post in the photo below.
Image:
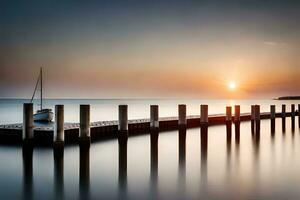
59	136
182	121
123	120
204	118
299	115
228	121
154	122
27	133
122	139
237	122
273	118
252	118
182	125
204	126
283	115
293	117
84	131
204	141
257	119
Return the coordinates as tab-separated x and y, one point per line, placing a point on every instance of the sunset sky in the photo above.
130	49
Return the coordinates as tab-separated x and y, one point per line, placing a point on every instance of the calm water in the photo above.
162	168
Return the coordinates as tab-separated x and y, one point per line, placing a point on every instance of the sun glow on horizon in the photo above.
232	85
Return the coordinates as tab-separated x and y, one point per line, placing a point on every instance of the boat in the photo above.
43	114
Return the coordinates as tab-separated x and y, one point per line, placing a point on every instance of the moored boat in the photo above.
44	115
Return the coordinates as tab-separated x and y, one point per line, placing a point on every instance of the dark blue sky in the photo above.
90	44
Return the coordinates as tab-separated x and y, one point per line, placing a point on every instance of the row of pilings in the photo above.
84	129
84	136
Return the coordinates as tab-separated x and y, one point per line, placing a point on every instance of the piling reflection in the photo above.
58	154
283	125
154	163
84	171
228	153
237	150
256	142
182	160
123	139
27	153
293	125
204	140
273	124
256	149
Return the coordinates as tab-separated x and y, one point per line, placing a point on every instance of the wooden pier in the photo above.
44	133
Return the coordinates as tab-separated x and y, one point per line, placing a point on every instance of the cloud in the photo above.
270	43
273	43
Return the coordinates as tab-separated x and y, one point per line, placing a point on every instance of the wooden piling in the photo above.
182	121
252	118
237	115
154	122
293	117
257	119
228	120
84	131
204	114
123	120
204	125
59	136
283	116
272	117
182	125
27	133
299	115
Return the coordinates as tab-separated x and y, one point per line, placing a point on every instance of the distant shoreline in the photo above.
289	98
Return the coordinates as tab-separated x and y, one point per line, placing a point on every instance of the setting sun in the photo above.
232	85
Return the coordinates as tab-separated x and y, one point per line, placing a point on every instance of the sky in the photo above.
150	49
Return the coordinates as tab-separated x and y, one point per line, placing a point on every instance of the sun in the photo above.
232	85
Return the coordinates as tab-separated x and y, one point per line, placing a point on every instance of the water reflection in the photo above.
237	152
27	152
228	152
154	163
204	140
84	171
283	125
182	161
123	139
260	155
58	154
256	161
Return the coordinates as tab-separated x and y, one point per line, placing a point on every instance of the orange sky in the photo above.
181	50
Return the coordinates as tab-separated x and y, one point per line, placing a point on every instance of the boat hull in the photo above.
43	116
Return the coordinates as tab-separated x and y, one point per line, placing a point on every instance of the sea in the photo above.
163	167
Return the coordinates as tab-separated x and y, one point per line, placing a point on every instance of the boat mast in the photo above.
36	86
41	75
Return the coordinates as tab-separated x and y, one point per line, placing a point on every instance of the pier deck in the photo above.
12	133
